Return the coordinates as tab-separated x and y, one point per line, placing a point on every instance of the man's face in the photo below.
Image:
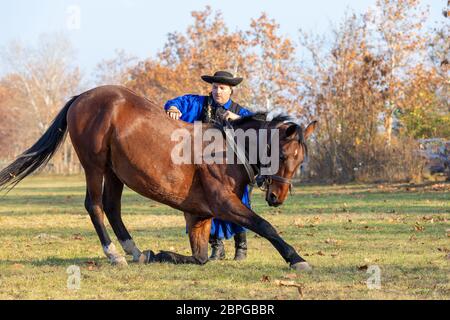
221	93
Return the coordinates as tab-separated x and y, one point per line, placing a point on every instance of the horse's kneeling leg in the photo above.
114	257
131	249
171	257
148	256
201	260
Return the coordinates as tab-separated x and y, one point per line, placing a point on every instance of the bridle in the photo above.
264	182
254	171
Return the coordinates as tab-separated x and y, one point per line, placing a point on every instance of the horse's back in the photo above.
99	110
111	125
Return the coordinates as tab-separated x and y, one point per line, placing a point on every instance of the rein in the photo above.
240	154
263	182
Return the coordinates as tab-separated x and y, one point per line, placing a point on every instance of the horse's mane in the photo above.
276	119
262	117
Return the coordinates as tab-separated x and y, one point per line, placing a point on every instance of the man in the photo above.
215	107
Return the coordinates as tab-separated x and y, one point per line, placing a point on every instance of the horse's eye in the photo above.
283	157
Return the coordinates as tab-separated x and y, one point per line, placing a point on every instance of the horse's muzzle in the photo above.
272	200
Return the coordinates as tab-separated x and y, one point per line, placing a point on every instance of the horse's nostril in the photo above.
273	197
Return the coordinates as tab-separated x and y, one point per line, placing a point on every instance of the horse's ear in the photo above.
292	130
310	129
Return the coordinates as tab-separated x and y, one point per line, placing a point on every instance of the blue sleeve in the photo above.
244	112
189	105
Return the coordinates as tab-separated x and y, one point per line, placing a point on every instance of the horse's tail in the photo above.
39	154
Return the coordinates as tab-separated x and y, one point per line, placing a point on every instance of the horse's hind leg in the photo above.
93	204
112	194
198	229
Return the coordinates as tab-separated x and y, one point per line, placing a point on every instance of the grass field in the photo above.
341	230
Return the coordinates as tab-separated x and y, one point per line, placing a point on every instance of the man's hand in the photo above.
174	113
230	116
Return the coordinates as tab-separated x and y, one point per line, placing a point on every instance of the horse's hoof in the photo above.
142	259
148	256
301	266
120	262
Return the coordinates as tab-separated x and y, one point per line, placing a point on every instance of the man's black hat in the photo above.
223	77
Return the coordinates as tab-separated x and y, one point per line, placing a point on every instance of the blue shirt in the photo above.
191	107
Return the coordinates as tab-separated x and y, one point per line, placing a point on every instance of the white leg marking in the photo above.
113	255
130	248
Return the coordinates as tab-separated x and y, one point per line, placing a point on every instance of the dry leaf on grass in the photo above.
300	291
283	283
363	267
418	227
92	265
298	223
252	293
333	241
77	236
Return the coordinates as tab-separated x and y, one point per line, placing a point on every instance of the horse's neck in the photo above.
254	125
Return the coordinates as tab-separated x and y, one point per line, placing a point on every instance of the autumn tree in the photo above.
426	112
115	70
356	86
13	120
274	68
265	59
42	79
400	38
343	87
207	45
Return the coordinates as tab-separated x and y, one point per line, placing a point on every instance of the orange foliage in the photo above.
264	59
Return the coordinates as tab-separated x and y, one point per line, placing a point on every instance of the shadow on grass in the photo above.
25	205
57	262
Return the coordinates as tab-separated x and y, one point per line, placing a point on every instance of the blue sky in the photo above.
140	27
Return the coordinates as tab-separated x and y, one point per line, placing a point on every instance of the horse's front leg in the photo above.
198	229
230	208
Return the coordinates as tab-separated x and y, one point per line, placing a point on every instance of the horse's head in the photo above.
292	153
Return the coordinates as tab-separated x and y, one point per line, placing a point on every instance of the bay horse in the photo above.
123	139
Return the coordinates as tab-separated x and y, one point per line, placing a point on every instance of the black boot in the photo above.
240	243
218	249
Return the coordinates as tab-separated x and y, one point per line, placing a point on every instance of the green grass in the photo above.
340	230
